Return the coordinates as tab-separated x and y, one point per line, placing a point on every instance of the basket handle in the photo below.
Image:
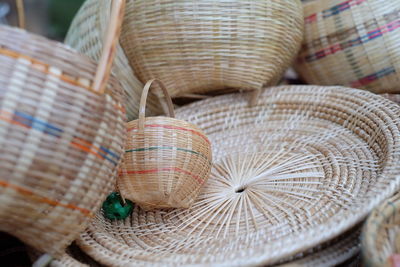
109	46
20	13
143	99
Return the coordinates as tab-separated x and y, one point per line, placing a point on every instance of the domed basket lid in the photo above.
297	169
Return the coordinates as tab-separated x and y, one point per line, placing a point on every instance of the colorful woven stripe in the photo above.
27	121
173	128
373	77
45	68
167	148
42	199
376	33
334	10
175	169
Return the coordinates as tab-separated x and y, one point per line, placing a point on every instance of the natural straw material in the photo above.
60	142
73	257
166	162
301	167
394	97
381	233
202	46
86	36
353	43
344	249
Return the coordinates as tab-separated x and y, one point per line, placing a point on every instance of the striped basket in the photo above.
381	234
353	43
166	160
60	141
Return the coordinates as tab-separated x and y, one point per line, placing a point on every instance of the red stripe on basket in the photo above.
201	181
49	201
334	10
173	128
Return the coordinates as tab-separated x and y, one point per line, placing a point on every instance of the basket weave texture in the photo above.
352	43
302	166
86	36
202	46
381	233
166	161
60	143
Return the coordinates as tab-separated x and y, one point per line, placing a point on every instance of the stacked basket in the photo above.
294	170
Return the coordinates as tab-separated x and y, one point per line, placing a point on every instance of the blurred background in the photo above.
50	18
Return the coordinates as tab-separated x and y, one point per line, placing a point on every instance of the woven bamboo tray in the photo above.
352	43
86	36
61	137
299	168
344	249
381	233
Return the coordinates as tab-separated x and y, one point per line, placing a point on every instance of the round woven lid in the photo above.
381	233
295	170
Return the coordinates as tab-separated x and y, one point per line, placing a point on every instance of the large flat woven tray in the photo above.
299	168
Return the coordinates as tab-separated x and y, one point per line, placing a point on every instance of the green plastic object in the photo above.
115	209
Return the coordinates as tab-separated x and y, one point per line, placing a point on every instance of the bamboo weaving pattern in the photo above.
60	142
352	43
302	166
202	46
381	233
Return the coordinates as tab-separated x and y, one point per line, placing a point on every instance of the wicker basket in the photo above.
86	36
352	43
299	168
60	141
381	233
166	160
196	46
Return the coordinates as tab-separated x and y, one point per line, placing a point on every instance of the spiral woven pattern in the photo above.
352	43
60	143
202	46
86	36
381	233
299	168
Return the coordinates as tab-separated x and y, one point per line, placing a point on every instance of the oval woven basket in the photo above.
297	169
86	36
167	161
209	45
60	142
200	46
381	233
352	43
